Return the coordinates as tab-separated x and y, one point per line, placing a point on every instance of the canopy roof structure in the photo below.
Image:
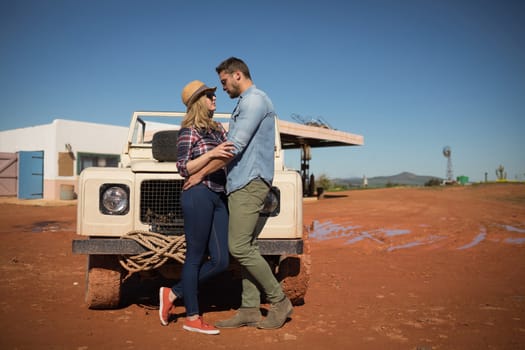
296	136
312	135
293	135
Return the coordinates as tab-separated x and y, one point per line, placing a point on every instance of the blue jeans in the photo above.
206	230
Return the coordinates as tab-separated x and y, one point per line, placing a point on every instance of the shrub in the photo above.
433	182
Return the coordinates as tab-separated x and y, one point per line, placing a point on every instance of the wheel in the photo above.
164	145
104	280
294	274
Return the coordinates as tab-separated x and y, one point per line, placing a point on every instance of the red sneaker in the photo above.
199	326
164	306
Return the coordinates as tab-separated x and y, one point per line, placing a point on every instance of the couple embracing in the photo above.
227	177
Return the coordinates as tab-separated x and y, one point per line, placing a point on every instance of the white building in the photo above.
45	161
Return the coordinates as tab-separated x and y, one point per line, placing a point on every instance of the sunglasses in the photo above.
210	95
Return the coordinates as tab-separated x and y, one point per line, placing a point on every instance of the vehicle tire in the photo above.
294	274
104	281
164	145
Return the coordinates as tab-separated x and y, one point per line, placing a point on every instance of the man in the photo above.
250	175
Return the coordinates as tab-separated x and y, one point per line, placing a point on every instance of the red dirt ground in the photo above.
398	268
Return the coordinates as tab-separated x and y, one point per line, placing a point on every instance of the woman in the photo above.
200	140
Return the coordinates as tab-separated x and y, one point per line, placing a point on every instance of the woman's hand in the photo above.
224	150
191	181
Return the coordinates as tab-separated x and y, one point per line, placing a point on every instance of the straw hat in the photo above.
193	90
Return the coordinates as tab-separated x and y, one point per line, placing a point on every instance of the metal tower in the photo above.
447	152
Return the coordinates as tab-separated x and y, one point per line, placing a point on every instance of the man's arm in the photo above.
214	165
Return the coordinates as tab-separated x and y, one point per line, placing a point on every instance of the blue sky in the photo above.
411	76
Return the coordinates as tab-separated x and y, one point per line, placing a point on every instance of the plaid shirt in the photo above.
193	143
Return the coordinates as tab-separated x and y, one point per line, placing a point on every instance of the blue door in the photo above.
30	174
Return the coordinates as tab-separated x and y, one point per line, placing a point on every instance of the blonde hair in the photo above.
199	116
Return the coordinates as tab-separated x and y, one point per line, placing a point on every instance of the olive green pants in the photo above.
245	205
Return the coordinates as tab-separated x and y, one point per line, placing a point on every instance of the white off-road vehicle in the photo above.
132	221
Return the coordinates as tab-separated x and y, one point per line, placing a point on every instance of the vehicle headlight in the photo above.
114	199
272	203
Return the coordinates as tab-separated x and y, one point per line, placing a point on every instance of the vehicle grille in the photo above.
160	205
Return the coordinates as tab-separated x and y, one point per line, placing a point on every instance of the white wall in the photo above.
90	137
34	138
87	138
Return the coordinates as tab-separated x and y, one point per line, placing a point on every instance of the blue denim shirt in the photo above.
252	131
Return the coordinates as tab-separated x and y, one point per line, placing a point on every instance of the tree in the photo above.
501	174
324	182
433	182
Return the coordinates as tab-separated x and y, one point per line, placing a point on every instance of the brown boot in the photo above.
277	315
245	316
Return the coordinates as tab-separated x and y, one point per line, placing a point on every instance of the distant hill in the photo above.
404	178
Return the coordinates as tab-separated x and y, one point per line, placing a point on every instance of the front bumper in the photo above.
117	246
